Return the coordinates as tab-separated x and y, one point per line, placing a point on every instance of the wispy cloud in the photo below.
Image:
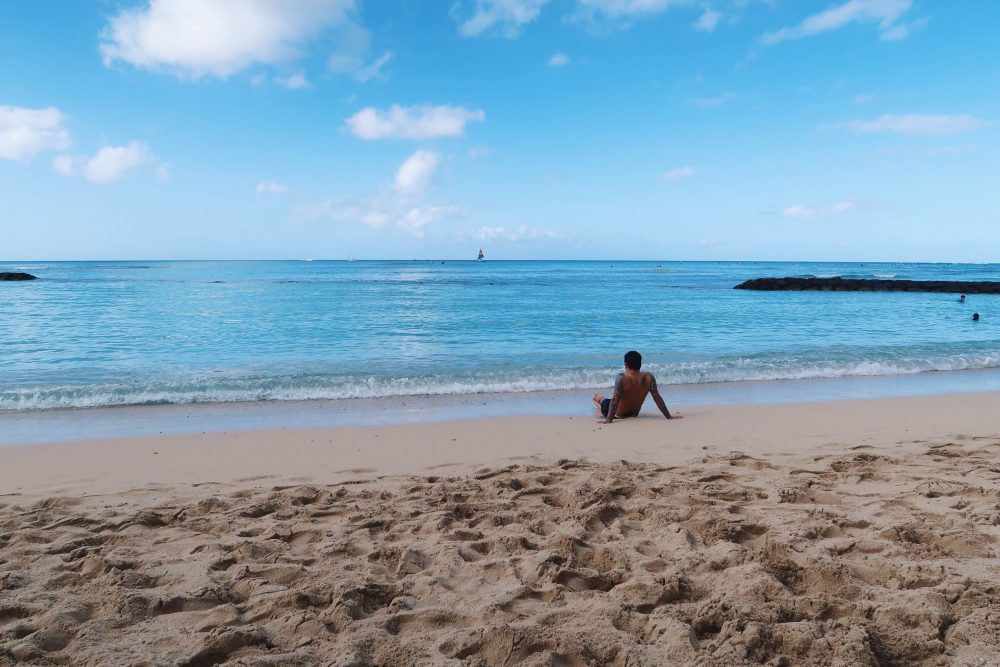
904	30
558	60
373	70
399	204
862	98
67	165
678	173
415	220
378	212
218	38
885	14
271	188
917	124
296	81
623	11
715	100
952	151
511	235
801	212
418	122
351	55
25	132
503	17
708	20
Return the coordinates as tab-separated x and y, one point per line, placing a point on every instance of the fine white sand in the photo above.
845	533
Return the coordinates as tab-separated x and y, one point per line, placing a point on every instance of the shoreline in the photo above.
71	424
334	455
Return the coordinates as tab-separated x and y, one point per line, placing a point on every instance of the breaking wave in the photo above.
250	388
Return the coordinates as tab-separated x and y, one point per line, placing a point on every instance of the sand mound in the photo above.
855	559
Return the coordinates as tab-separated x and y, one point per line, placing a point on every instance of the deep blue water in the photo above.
119	333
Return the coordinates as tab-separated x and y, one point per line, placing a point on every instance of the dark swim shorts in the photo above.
605	404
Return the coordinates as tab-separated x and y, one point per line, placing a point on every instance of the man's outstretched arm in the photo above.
658	399
615	398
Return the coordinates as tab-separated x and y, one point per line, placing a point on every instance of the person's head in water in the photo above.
633	360
975	317
962	298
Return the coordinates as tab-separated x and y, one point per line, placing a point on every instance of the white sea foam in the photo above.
338	387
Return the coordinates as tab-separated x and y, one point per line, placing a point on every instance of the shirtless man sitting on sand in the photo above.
630	392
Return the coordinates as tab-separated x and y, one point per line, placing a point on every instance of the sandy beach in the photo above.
309	310
840	533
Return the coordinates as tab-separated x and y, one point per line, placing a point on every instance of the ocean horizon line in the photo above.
503	259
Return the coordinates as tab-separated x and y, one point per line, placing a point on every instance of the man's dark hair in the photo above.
633	360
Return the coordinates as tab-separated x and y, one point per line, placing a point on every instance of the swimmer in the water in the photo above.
975	317
961	299
630	392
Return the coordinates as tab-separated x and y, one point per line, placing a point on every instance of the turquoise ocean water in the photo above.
92	334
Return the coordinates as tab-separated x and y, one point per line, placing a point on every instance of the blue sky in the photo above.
646	129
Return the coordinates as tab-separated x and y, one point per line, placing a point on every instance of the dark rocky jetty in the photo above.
17	276
868	285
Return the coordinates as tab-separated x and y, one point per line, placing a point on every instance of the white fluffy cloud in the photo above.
414	176
708	20
504	17
418	122
678	173
26	132
271	188
196	38
111	163
558	60
886	14
916	124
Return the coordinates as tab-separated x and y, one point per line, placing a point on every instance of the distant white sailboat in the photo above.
482	257
350	257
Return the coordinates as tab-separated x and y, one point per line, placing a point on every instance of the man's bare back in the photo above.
630	393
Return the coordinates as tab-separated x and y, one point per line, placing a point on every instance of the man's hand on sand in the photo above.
605	421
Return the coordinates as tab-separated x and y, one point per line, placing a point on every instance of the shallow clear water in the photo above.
119	333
